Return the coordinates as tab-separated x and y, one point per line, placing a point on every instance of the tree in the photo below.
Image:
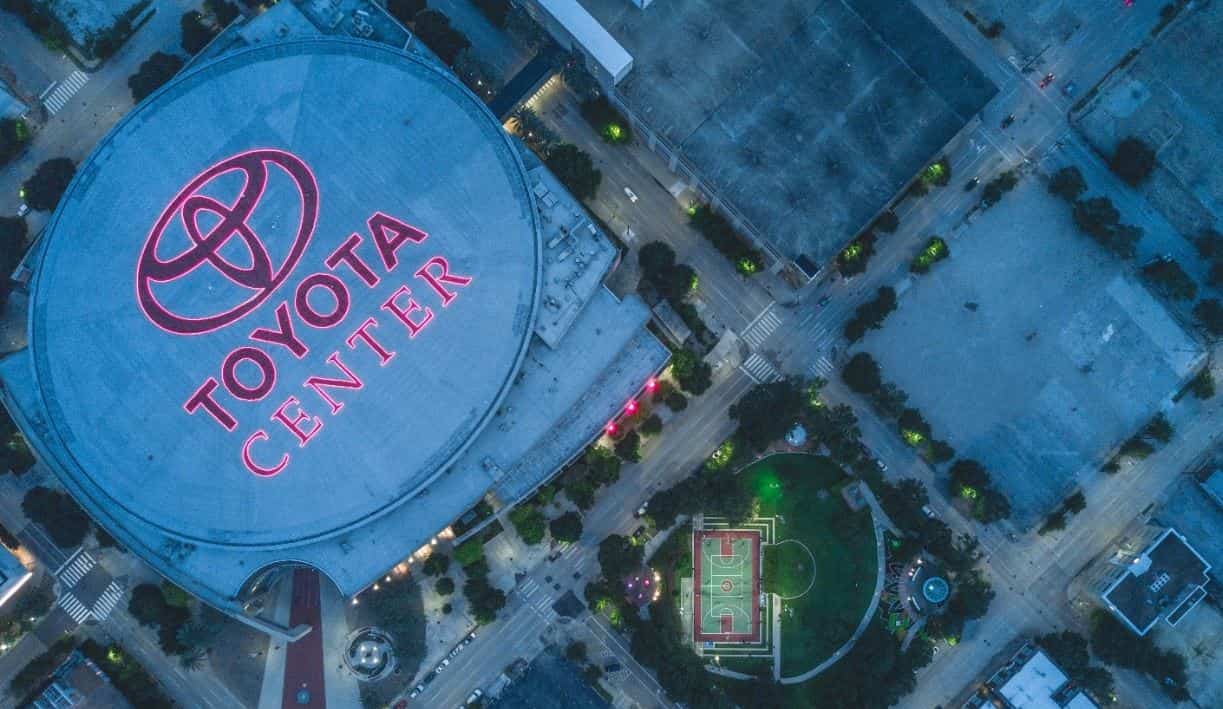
602	465
652	426
1203	385
1069	650
576	652
224	12
405	10
196	35
1209	244
940	451
483	598
676	401
575	170
1075	504
12	249
861	374
913	426
1068	183
870	315
444	586
619	557
433	28
1133	161
693	374
155	71
1097	217
1170	279
887	222
853	258
147	605
567	527
1114	644
969	473
437	564
529	522
767	411
1215	275
972	595
533	131
469	552
654	258
495	10
992	193
1054	522
58	514
628	448
175	596
991	506
48	183
1159	428
192	659
1209	314
197	635
13	136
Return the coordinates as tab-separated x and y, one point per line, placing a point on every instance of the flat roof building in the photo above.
1153	574
1031	680
305	305
13	575
801	121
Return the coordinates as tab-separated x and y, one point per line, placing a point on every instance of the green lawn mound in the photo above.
802	493
789	569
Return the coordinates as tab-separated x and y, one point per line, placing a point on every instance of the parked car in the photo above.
23	209
632	196
883	467
928	512
442	666
1048	79
612	666
471	698
641	510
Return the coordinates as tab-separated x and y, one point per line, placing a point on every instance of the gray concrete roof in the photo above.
1160	579
807	116
380	132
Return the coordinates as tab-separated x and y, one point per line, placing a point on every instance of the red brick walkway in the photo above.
304	658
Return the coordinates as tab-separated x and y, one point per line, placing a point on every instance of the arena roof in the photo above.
303	272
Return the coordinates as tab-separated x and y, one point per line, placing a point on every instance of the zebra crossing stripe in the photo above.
759	331
107	602
74	608
65	91
75	569
759	369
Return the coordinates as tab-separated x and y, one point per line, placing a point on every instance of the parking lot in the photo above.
1031	349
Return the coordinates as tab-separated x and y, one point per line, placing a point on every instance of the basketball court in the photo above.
727	601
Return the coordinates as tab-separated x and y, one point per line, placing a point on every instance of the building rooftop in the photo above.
81	684
1037	683
1169	572
13	575
807	117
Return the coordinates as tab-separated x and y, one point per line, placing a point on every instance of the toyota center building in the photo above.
306	305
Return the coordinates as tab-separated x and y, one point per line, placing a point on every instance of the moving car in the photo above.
632	196
1048	79
641	510
928	512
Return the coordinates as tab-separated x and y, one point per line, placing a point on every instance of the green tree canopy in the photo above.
619	557
693	373
575	170
196	35
1068	183
405	10
13	135
767	411
58	514
155	71
861	374
434	29
1133	161
529	522
567	527
1209	314
48	183
444	586
437	564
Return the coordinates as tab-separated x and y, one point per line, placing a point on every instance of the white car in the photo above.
632	196
471	698
442	666
23	209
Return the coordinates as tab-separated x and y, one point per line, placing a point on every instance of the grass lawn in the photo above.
802	489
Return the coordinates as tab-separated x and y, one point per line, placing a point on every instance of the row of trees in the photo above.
672	281
970	481
168	608
1156	432
862	375
1056	520
15	455
719	232
58	514
43	189
870	315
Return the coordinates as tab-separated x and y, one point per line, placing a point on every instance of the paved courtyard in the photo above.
1031	349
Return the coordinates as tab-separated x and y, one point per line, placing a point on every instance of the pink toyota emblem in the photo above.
253	282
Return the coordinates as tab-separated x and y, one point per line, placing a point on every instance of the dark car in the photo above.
612	667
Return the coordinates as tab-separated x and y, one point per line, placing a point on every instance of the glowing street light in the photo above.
651	385
631	407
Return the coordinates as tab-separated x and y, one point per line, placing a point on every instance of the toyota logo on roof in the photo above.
253	282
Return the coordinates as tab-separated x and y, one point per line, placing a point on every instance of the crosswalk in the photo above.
107	601
74	608
539	598
75	569
64	92
760	369
822	368
759	330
